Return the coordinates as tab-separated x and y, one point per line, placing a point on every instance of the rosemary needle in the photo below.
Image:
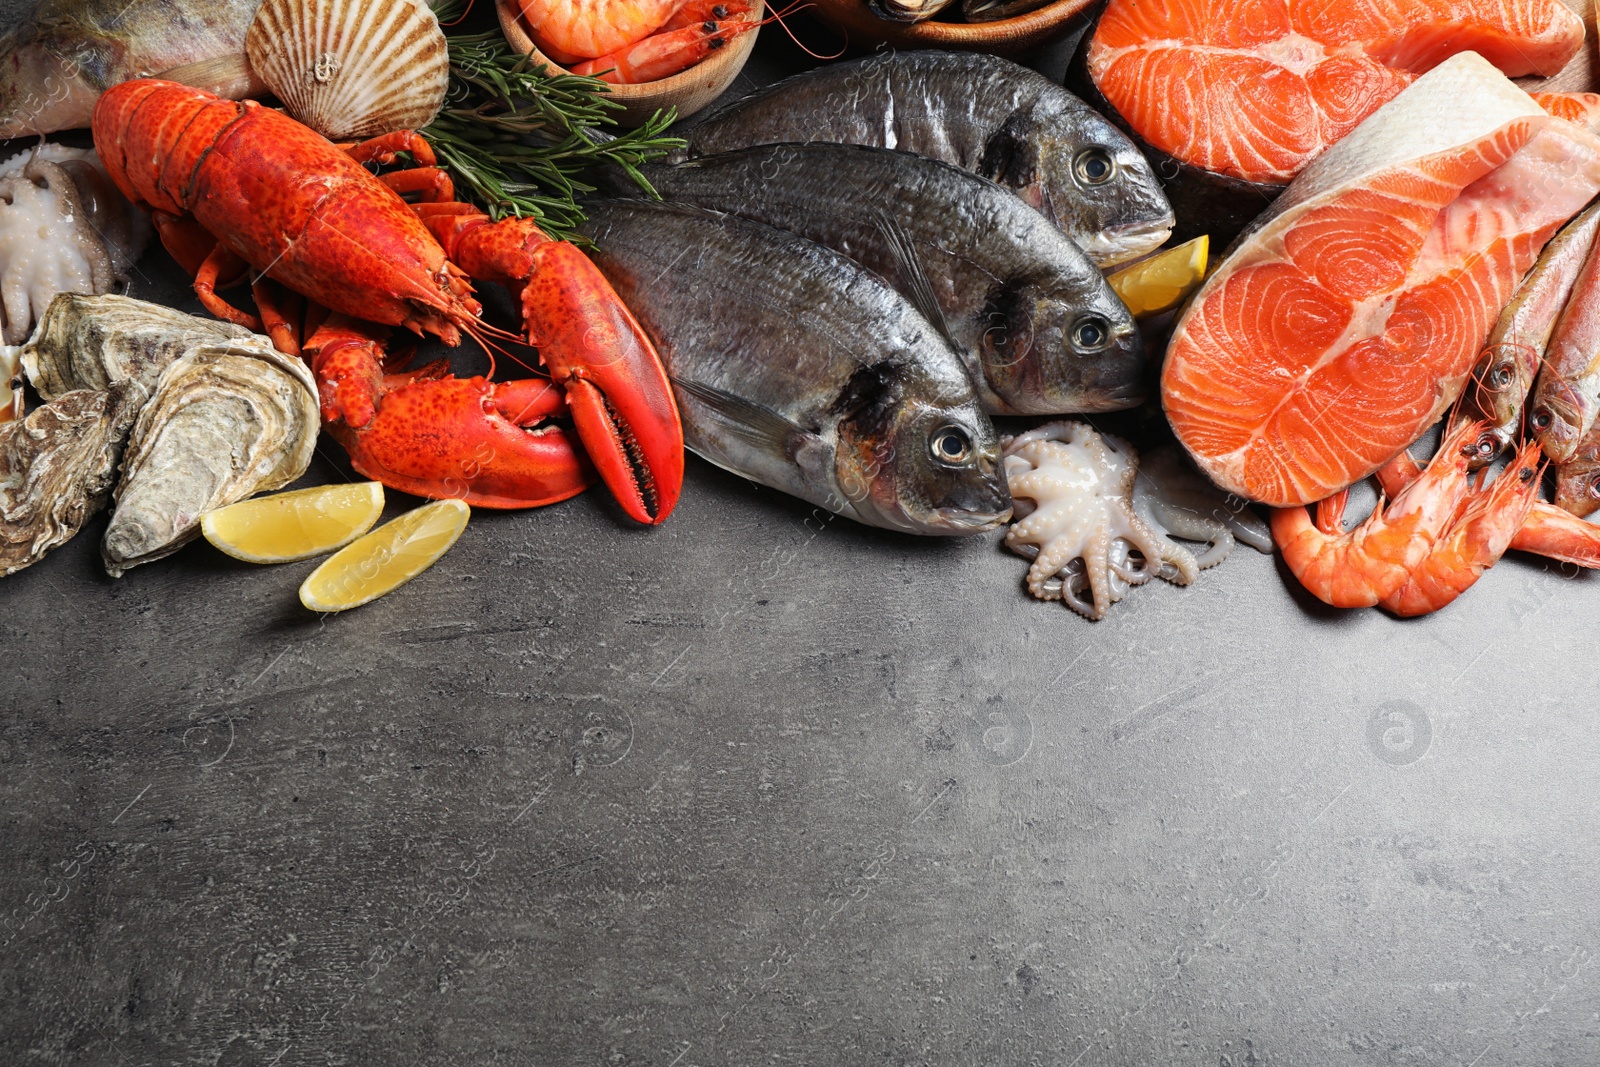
522	141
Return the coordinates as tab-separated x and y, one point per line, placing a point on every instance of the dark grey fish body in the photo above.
977	112
1041	331
55	65
798	369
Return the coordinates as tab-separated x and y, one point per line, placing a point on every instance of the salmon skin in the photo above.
1256	90
1347	320
798	369
977	112
55	65
1040	330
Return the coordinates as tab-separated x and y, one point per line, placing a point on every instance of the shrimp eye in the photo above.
1525	475
1501	378
1541	420
1091	333
951	445
1094	166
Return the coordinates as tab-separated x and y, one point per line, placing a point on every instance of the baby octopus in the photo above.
1080	520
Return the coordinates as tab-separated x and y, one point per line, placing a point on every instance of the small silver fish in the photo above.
56	64
798	369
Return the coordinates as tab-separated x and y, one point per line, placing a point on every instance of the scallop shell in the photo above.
227	421
352	69
57	466
88	342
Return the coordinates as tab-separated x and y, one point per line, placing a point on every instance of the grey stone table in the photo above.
761	786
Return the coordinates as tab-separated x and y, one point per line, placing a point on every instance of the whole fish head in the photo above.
41	88
1578	480
1500	383
1052	348
911	459
1084	175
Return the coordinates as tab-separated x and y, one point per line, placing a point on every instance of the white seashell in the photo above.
352	69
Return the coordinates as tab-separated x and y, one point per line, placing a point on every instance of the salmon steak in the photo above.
1347	320
1255	89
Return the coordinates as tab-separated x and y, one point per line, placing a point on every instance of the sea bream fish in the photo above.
1040	330
798	369
55	65
1347	320
977	112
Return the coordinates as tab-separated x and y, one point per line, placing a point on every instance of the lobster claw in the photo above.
621	402
491	444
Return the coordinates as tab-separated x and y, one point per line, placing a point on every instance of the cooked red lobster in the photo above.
236	187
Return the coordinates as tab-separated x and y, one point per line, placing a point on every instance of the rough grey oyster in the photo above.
57	466
88	342
226	421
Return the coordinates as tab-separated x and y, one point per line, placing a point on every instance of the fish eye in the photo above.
1091	333
1541	420
950	445
1501	378
1094	166
1594	487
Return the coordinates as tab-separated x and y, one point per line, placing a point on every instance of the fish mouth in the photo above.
961	523
1115	245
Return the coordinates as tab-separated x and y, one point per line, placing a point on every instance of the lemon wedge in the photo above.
1164	280
386	558
285	527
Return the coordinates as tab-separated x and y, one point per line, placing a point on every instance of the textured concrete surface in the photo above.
766	787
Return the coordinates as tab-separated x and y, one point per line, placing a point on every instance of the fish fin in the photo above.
919	290
747	420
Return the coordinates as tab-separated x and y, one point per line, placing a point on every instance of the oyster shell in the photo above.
227	420
10	383
88	342
352	69
57	466
63	228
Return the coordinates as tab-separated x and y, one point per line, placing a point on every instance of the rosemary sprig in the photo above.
524	141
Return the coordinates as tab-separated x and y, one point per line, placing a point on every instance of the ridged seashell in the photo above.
88	342
228	420
352	69
57	466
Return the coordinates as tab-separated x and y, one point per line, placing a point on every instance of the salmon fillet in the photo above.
1344	323
1257	88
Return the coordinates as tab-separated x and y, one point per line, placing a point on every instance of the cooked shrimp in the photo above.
1360	567
571	30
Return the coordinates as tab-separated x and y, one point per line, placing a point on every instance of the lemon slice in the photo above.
288	526
1164	280
386	558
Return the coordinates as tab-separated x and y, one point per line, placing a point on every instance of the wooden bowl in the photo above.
688	91
1003	37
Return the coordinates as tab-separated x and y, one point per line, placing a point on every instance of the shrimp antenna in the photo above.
465	11
795	8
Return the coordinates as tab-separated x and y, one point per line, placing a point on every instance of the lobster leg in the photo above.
621	401
278	309
492	444
222	263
